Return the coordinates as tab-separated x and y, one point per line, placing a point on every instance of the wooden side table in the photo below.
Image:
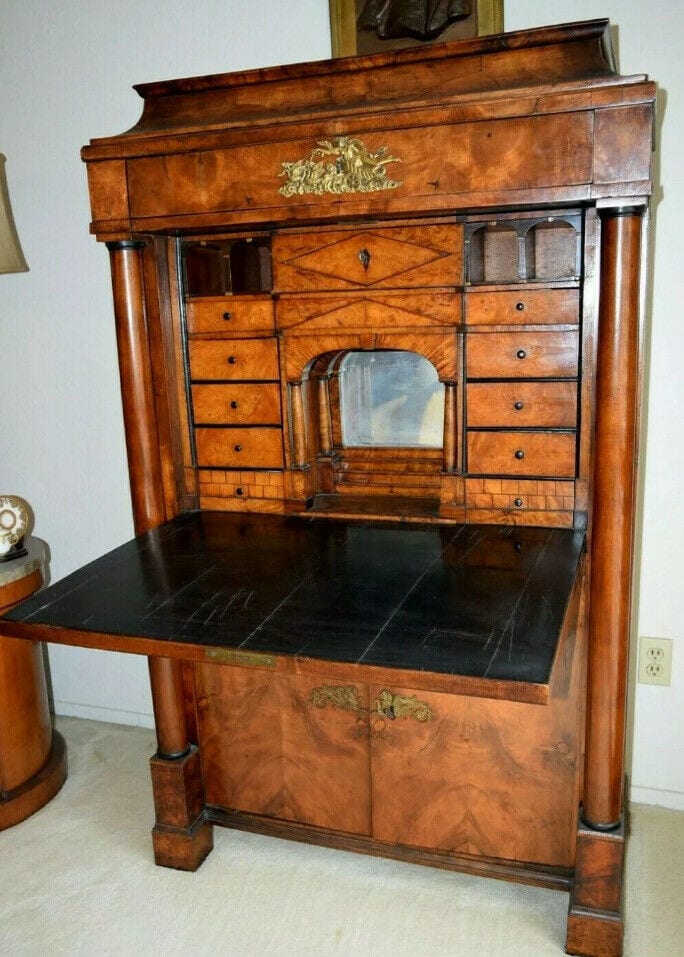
33	763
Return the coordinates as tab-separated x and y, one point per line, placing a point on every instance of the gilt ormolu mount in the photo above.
394	402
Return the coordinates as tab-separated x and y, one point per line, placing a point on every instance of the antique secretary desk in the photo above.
378	335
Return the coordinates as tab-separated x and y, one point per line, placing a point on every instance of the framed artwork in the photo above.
370	26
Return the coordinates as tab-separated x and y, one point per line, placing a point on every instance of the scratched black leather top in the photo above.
478	600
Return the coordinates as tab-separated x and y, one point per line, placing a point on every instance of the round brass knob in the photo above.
517	406
521	354
231	360
238	448
520	306
227	316
520	454
234	404
518	503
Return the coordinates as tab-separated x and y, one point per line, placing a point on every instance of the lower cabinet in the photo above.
480	777
268	749
442	772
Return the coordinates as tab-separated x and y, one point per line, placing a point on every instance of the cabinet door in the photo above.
474	776
289	747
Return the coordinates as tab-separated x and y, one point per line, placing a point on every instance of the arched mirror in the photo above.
390	399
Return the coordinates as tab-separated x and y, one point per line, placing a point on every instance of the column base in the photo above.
595	922
23	801
183	849
181	837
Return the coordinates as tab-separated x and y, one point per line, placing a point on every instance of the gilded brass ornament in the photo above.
353	169
341	697
233	656
402	706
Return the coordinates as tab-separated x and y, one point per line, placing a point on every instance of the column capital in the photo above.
117	244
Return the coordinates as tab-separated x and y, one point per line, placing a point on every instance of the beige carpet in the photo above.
78	878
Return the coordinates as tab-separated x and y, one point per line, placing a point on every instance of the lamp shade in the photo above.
11	256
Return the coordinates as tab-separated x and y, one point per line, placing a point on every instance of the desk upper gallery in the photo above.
378	330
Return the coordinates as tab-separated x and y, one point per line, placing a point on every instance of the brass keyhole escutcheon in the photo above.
364	258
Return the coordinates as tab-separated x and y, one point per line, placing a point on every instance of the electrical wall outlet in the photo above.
655	661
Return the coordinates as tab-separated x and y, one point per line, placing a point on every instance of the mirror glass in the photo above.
390	399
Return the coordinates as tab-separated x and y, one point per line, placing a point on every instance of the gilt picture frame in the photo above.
487	18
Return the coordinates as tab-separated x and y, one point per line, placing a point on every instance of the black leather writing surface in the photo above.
478	600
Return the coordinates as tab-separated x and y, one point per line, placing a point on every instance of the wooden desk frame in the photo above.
494	127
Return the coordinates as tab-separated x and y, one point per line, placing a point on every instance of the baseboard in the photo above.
136	719
670	799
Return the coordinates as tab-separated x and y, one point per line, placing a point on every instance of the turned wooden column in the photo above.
137	395
298	428
449	441
613	515
144	464
324	421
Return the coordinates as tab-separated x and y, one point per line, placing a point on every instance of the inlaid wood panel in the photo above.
522	404
522	355
523	307
237	403
233	359
447	782
269	749
392	257
305	315
521	453
239	448
229	314
438	348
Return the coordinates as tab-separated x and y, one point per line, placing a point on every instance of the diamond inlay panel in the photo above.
396	257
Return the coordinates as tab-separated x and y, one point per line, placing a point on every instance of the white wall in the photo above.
66	70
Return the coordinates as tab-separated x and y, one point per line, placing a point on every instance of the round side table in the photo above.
33	763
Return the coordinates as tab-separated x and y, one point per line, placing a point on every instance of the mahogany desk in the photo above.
468	218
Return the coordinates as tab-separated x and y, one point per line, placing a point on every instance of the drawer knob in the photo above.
227	316
520	454
239	491
238	448
231	360
521	354
518	503
364	258
517	406
234	404
520	306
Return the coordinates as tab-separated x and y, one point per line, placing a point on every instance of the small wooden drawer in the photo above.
230	314
520	494
522	453
239	448
522	404
396	257
522	355
242	403
234	359
523	307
